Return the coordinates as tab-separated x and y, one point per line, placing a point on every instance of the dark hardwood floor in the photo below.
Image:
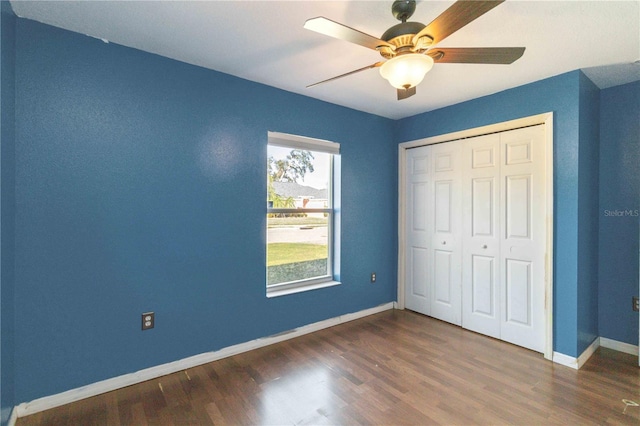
396	367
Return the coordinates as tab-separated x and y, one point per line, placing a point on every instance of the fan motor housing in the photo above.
401	36
402	29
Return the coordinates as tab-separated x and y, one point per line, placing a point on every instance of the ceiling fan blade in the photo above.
457	16
342	32
476	55
368	67
406	93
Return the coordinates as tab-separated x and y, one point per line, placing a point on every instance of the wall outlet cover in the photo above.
148	320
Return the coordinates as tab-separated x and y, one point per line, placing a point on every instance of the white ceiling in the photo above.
264	41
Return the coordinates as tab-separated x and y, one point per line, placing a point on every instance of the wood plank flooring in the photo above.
396	367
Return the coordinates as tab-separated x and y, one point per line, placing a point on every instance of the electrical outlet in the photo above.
373	277
148	320
636	303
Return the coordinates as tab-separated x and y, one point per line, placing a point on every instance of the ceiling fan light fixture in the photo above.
406	71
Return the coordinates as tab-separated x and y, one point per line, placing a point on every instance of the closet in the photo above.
475	234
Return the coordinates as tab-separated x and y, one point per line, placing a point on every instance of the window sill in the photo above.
277	292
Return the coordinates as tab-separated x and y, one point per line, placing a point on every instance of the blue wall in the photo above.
7	208
561	95
619	191
132	182
141	185
589	137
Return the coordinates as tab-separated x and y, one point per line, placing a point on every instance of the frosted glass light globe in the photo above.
406	71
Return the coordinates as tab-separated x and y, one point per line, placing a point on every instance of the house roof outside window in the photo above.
295	190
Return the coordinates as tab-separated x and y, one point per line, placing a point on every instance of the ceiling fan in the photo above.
409	47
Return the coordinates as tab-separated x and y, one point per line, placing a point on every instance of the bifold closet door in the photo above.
418	191
434	231
476	234
523	242
504	239
481	242
445	227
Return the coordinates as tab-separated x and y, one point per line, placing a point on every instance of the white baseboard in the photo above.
576	363
566	360
586	354
52	401
619	346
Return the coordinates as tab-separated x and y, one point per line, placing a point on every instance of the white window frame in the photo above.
317	145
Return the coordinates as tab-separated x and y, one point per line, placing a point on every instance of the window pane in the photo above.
297	246
298	243
298	178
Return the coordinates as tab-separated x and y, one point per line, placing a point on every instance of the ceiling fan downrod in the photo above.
403	9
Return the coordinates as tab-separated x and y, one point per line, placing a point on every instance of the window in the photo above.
301	213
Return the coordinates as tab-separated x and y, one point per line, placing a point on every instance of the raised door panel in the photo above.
483	210
419	192
482	288
418	271
518	206
443	197
518	292
442	277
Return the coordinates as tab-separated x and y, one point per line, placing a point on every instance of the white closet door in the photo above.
417	292
476	234
523	239
481	242
446	233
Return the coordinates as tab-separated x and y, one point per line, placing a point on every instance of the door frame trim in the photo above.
547	120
